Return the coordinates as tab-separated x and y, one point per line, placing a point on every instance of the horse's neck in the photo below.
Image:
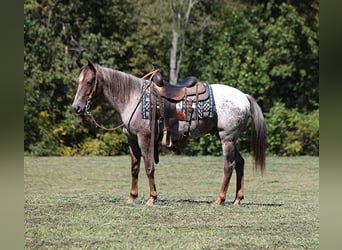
121	90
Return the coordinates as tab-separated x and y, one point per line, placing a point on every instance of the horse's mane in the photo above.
120	84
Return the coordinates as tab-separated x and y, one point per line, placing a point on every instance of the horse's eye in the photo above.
89	83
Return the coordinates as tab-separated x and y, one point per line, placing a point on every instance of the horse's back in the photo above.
227	94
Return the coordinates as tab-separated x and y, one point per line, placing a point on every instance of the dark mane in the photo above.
120	84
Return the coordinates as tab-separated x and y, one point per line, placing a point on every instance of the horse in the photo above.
123	91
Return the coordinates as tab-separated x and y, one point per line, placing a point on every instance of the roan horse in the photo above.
124	91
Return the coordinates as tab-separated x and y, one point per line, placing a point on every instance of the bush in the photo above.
116	143
289	133
205	145
93	147
46	143
107	144
292	133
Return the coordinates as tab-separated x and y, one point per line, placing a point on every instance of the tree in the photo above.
55	33
180	12
268	49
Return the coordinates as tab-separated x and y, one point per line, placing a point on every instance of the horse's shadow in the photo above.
259	204
209	202
193	201
183	201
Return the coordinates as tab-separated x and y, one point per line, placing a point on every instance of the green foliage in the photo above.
116	143
93	147
205	145
48	144
106	144
291	132
266	49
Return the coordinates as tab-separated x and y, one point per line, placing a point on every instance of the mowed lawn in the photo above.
81	203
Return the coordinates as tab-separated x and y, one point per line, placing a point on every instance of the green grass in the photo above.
80	203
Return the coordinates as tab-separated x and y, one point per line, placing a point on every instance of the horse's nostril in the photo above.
76	108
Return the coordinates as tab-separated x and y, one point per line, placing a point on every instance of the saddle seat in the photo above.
188	87
187	82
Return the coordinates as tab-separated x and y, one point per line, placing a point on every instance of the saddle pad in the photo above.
146	102
206	108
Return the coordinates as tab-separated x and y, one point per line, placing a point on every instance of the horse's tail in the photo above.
259	140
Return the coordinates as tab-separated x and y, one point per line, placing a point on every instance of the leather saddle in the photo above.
177	92
189	90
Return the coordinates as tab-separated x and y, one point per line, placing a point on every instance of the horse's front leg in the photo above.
153	190
148	156
135	167
228	154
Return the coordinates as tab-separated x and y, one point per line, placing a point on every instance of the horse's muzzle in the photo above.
78	109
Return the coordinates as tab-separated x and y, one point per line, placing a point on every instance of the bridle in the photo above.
93	90
91	94
87	107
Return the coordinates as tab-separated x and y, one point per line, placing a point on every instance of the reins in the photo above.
87	108
102	127
94	120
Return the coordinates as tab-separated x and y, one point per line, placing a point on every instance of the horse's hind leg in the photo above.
135	167
239	168
228	154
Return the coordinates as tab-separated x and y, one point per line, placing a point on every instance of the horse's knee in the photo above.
135	171
150	171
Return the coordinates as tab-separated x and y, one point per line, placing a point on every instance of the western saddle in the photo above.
164	98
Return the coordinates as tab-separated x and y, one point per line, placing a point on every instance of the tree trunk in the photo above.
173	57
180	19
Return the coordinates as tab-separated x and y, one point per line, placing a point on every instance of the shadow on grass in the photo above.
191	201
261	204
194	201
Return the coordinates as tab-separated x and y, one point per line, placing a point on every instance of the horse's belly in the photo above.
196	129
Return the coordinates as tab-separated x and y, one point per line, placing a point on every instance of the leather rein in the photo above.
90	96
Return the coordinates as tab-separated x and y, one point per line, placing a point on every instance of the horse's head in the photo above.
87	87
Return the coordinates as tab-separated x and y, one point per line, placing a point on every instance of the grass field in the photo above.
80	203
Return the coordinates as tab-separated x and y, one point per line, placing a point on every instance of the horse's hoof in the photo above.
217	202
150	201
236	202
130	200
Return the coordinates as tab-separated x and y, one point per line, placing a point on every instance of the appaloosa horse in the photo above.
124	92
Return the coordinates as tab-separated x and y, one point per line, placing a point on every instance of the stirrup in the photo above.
164	141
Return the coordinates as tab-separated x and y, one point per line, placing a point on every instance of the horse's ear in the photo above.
91	65
79	63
